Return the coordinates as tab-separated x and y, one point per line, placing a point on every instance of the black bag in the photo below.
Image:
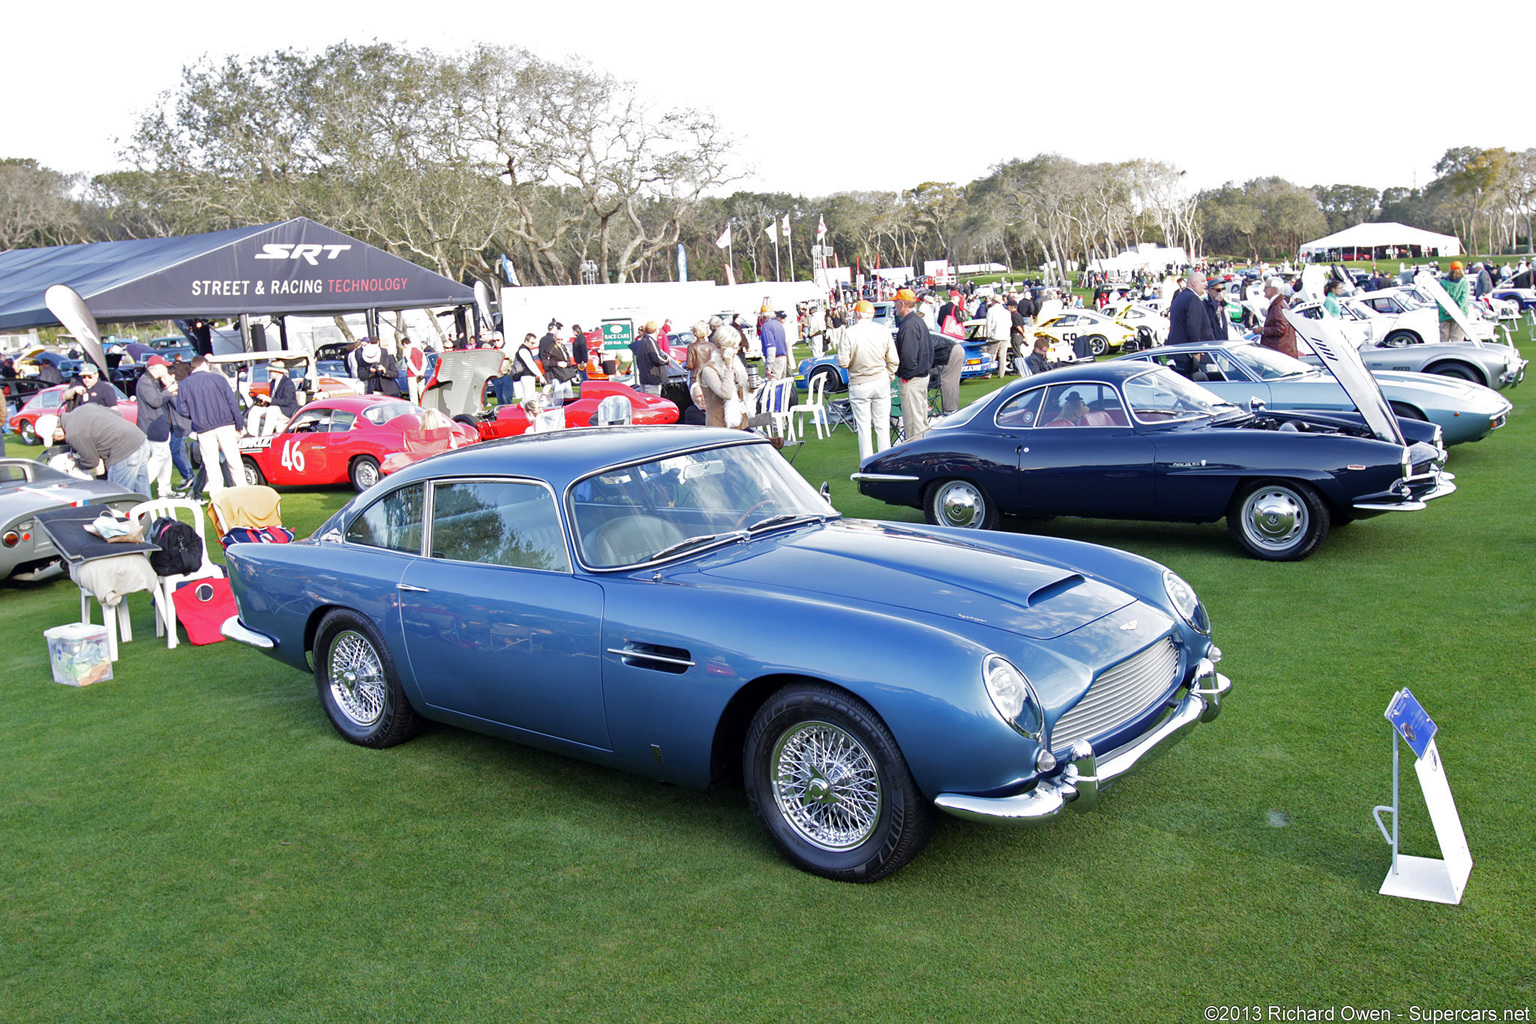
181	549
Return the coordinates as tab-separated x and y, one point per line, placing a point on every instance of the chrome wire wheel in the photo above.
1274	518
826	785
357	679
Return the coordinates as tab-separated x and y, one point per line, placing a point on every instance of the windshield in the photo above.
383	412
642	513
1267	364
1160	395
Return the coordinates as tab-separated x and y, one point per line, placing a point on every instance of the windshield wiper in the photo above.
700	541
782	517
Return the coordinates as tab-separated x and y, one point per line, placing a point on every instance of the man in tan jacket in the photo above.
869	353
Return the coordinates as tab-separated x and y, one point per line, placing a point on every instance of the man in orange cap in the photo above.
1456	287
914	350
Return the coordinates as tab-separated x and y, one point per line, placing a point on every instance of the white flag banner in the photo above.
724	240
786	225
821	229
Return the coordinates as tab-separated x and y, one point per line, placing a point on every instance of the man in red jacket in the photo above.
1277	333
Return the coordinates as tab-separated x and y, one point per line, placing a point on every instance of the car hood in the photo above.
866	564
1342	359
1445	388
25	499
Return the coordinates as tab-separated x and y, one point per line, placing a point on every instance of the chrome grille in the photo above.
1121	692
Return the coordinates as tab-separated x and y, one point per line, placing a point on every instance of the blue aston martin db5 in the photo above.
1129	440
681	604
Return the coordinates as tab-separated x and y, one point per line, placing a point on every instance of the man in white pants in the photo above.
869	353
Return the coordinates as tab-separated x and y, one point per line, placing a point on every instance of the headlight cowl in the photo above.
1185	601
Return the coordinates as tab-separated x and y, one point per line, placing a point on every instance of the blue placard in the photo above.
1411	721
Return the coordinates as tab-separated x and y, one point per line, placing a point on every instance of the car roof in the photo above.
354	403
1112	371
561	456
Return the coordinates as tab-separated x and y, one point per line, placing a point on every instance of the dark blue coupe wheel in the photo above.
962	504
1278	520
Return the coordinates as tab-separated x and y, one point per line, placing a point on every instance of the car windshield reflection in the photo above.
631	515
1267	364
1161	396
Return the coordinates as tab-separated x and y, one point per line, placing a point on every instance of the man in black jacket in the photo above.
914	350
156	394
1187	321
1216	309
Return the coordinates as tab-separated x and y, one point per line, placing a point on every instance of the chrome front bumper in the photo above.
234	629
1511	378
1078	785
1442	487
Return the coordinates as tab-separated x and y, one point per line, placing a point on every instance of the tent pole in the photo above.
245	332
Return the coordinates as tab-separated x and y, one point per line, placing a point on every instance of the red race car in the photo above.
348	440
47	403
648	410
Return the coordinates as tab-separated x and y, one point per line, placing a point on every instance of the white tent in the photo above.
1146	256
1386	240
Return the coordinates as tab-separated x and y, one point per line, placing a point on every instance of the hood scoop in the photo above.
861	564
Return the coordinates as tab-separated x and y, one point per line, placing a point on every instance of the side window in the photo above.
394	522
309	422
1021	410
341	421
1083	405
52	400
498	523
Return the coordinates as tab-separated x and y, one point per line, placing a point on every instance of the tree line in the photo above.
454	160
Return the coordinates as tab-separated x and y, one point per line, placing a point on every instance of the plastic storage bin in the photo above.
78	653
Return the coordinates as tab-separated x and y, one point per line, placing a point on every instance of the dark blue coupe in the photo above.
681	604
1125	440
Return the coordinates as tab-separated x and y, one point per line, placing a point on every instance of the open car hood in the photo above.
863	564
1429	284
1343	360
460	379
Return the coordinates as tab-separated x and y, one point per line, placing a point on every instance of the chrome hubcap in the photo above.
1275	518
961	504
826	785
357	679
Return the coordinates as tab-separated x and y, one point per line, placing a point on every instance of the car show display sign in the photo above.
1424	878
618	334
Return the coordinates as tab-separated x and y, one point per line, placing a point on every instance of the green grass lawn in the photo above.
191	841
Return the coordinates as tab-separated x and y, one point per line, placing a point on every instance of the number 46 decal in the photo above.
292	457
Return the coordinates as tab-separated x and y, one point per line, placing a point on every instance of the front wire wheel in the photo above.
829	785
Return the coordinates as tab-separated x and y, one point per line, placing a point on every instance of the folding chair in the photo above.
144	513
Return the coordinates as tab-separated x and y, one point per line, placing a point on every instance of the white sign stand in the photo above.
1424	878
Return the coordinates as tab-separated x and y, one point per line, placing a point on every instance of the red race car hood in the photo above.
865	564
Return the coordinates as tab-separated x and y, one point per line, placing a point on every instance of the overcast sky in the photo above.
826	97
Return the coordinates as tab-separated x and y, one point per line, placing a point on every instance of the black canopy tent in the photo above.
295	267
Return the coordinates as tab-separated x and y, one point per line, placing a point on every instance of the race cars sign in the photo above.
618	334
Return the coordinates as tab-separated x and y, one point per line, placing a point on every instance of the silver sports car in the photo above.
27	488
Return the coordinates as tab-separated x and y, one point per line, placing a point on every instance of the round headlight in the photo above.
1182	595
1012	695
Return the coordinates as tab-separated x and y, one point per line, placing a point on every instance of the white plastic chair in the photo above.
776	400
815	405
615	410
144	513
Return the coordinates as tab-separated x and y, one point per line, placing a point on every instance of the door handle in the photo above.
414	590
